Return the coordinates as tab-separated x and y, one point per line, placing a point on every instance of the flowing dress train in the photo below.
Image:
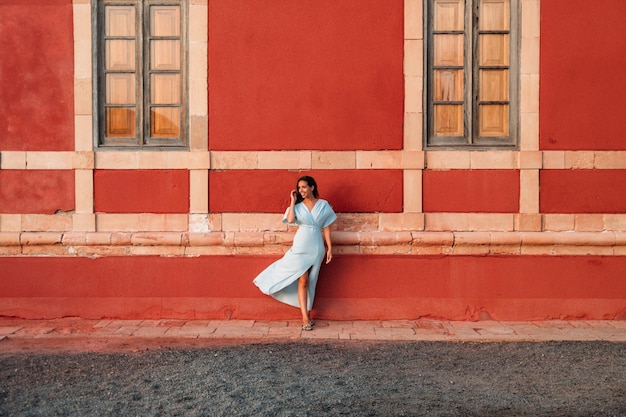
280	279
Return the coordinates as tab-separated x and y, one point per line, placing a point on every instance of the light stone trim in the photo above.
333	160
36	223
529	73
466	160
412	135
84	222
412	186
348	222
388	222
413	71
584	160
84	197
529	191
448	159
10	222
284	160
386	159
378	159
413	21
198	191
173	160
142	222
371	243
553	159
609	160
13	160
49	160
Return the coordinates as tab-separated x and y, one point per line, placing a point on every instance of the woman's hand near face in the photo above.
291	215
292	196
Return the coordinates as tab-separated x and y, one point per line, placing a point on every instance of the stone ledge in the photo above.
350	159
415	243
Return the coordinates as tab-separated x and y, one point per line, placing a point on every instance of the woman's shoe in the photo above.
311	322
308	327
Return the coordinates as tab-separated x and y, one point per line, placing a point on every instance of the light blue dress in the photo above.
280	279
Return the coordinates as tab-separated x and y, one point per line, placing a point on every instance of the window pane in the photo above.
448	50
165	55
120	122
165	89
165	122
448	120
471	93
494	50
140	46
448	85
120	88
120	55
494	85
120	21
165	21
448	15
495	14
494	120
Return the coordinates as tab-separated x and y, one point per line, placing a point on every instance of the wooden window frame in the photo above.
471	139
142	139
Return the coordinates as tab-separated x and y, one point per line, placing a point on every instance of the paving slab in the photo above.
9	330
43	333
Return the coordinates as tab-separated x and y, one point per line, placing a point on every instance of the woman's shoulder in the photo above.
325	203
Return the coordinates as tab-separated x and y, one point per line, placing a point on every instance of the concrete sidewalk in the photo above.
36	332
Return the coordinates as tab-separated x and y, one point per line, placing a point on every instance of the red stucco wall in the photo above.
141	191
36	75
41	191
583	191
324	74
582	75
464	191
350	287
267	191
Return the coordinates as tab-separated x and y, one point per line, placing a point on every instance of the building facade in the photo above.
473	151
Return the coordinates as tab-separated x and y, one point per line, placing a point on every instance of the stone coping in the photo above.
271	242
37	335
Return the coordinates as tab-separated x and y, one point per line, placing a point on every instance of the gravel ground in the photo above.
321	379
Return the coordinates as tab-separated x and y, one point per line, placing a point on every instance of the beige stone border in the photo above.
396	159
346	222
370	243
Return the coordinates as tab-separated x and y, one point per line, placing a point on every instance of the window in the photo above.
141	73
472	79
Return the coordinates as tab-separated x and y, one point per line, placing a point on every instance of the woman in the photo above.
292	279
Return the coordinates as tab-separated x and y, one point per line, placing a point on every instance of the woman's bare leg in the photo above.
303	296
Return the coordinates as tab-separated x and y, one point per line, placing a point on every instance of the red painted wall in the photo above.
267	191
323	74
36	191
582	75
582	191
141	191
350	287
475	191
36	75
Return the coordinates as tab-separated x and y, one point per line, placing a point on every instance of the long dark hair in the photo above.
311	182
